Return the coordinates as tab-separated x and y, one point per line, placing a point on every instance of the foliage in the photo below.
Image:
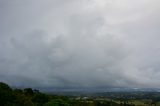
57	102
30	97
6	95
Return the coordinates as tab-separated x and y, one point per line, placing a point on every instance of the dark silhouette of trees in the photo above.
39	99
28	91
6	95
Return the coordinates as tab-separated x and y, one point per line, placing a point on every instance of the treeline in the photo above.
30	97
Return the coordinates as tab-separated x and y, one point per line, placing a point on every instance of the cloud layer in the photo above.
80	43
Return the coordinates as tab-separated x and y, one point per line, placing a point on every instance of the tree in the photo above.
6	95
4	86
28	91
40	99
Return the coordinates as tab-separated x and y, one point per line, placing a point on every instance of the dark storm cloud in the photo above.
94	43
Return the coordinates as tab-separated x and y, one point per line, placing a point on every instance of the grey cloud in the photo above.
99	43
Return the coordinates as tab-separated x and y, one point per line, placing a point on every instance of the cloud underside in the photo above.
80	44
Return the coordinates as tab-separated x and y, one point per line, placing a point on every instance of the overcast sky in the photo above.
80	43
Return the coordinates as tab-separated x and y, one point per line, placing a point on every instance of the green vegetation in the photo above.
30	97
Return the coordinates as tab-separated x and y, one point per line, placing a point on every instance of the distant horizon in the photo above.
88	89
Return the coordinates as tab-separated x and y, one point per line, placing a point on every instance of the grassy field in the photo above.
138	102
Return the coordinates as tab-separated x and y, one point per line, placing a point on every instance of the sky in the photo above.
80	43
